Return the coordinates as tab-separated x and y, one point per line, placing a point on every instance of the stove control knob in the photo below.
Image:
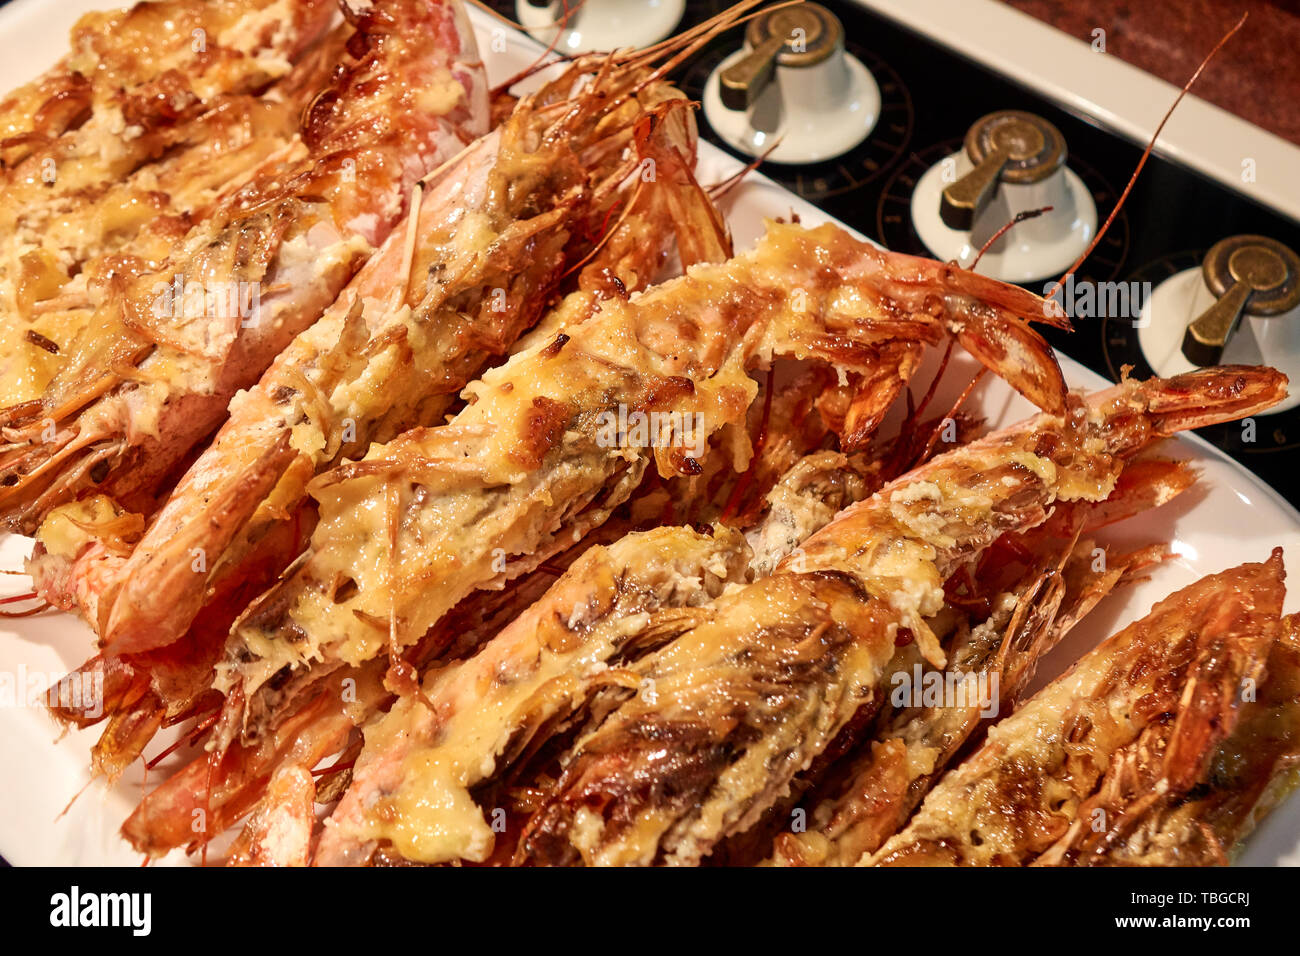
793	94
1241	306
600	24
1249	275
1005	147
741	82
1010	162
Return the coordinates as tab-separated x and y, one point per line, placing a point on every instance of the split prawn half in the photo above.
156	369
763	680
62	253
503	227
1131	728
1249	774
540	454
494	233
1056	577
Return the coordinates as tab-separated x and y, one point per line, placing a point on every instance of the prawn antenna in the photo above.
1017	218
1147	152
720	189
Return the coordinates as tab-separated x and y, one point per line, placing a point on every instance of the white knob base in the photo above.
812	113
1039	248
602	24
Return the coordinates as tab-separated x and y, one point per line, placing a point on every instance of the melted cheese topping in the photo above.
523	456
69	528
753	693
427	762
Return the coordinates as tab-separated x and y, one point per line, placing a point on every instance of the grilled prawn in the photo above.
134	75
411	788
87	152
1245	778
768	675
1133	725
63	253
474	267
412	785
536	458
154	372
875	789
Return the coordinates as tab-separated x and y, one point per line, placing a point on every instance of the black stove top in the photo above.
930	95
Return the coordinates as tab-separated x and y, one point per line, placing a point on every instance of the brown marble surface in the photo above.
1256	76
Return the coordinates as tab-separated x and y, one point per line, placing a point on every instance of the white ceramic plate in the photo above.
1231	518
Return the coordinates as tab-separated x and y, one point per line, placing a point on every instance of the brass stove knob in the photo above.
799	36
1009	146
1251	275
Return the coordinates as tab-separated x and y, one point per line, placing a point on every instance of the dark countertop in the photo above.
1256	76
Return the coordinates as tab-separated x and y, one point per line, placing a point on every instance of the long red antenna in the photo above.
1017	218
1146	153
